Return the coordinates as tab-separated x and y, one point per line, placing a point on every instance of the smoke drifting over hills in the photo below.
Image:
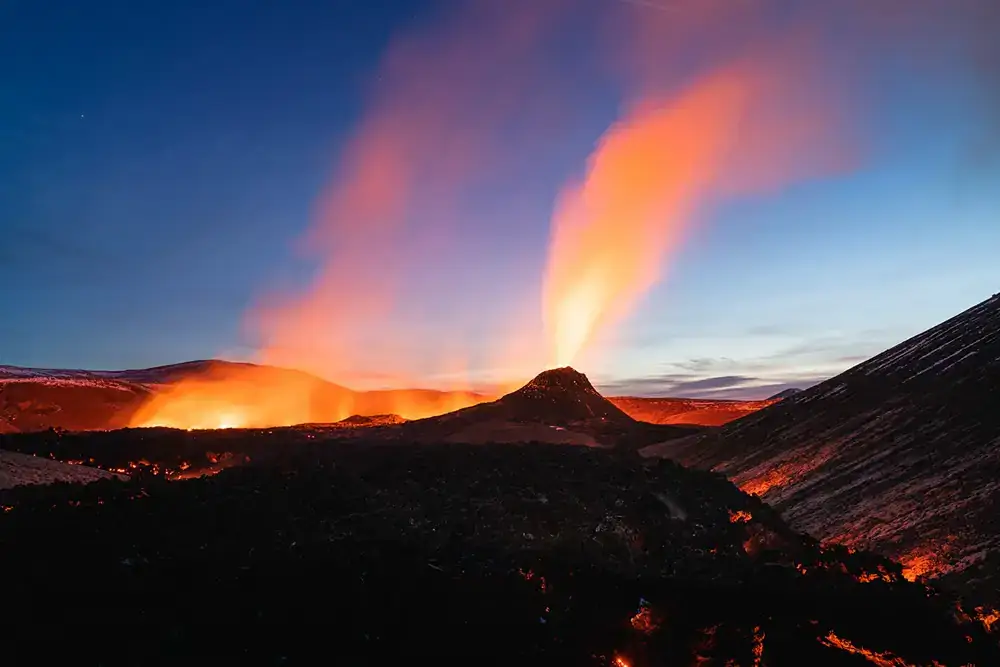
774	91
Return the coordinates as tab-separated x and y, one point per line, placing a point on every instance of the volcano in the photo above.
558	397
900	454
557	406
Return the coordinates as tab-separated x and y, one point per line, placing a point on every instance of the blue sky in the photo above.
159	166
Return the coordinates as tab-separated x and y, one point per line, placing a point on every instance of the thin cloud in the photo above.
730	387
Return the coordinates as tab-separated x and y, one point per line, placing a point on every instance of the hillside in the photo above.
34	399
693	411
900	454
34	403
526	554
19	469
558	406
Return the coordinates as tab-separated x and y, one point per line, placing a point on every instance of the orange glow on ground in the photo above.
758	646
884	659
990	618
761	485
921	564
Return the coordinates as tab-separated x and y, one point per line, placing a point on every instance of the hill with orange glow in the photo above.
214	393
692	411
900	454
198	394
558	406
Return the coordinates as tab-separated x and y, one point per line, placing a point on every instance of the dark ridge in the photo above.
900	454
788	393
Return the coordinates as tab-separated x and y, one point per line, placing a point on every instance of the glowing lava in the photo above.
883	659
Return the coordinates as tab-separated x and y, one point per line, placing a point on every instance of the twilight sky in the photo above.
169	170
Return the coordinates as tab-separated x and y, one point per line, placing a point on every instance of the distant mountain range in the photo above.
34	399
900	454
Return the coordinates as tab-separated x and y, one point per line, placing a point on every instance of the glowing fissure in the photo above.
885	659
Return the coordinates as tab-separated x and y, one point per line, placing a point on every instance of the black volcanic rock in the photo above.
900	454
514	554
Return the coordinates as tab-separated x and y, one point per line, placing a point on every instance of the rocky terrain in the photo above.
900	454
514	553
19	469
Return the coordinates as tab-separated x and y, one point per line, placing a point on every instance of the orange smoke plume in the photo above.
750	127
437	125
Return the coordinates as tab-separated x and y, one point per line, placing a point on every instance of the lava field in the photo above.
362	553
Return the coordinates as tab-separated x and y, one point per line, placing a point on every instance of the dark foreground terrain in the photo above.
35	399
514	554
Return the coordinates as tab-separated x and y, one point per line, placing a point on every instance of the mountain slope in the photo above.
788	393
558	406
19	469
900	454
34	399
74	402
691	411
